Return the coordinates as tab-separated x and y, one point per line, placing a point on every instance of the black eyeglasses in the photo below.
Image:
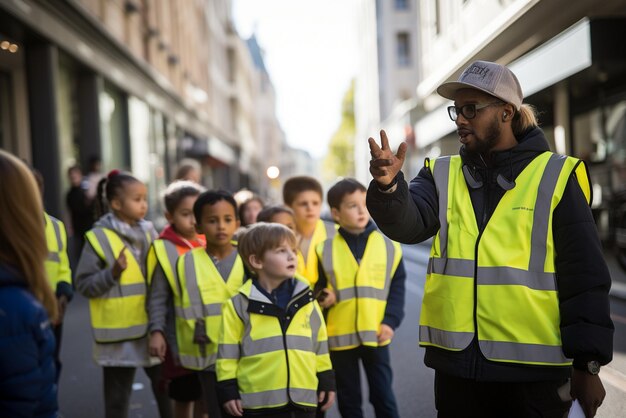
469	110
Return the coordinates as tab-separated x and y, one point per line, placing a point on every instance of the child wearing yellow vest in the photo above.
208	277
111	273
273	355
365	272
304	196
57	269
177	238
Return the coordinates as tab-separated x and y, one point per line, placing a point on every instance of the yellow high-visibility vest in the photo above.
203	291
502	280
165	253
57	264
361	289
120	313
273	368
323	231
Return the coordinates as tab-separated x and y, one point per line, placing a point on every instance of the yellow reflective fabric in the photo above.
57	264
361	289
165	253
323	231
517	310
273	368
203	291
120	313
582	175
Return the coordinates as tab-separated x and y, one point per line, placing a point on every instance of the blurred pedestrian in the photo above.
189	169
249	210
27	302
81	208
517	288
94	175
111	273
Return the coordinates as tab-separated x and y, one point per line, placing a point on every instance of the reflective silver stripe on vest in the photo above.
189	312
360	291
327	262
330	229
105	245
260	346
442	176
197	363
120	334
229	351
278	397
57	233
530	353
448	339
353	339
451	267
541	214
196	310
123	290
538	280
54	256
172	257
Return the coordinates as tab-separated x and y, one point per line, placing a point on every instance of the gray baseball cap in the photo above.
494	79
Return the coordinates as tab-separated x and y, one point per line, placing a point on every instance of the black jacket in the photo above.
410	215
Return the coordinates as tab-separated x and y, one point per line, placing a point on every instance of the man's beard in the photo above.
484	145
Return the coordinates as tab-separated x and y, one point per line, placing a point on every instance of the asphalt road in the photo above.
80	393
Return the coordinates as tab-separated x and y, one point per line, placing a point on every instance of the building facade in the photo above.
389	71
138	83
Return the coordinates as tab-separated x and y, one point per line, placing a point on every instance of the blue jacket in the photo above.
27	371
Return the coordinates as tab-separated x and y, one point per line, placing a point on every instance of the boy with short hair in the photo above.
177	238
208	277
304	196
365	271
273	355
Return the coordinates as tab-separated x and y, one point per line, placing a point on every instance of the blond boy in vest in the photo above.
364	274
273	354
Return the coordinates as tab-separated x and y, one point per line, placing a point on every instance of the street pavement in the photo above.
81	396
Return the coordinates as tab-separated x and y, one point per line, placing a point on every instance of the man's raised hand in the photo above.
385	165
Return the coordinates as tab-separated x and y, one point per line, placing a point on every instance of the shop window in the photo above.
401	5
403	49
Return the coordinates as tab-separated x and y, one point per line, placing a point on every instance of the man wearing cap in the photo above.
516	295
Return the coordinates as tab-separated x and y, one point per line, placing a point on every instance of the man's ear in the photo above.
169	217
334	212
255	262
509	112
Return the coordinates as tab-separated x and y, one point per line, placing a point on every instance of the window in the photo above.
404	49
401	4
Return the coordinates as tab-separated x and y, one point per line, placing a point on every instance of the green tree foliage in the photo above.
339	161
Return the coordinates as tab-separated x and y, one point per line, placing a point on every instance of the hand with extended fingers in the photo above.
385	165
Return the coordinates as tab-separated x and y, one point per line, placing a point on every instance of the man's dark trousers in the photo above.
379	376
